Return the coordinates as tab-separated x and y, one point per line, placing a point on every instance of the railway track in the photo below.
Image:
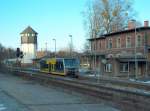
129	95
102	81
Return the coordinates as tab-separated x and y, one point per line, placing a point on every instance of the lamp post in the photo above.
71	45
146	54
55	46
46	48
95	48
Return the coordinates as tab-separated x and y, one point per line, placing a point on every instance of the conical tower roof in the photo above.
29	30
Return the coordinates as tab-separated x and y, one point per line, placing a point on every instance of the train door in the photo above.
59	66
52	64
53	67
140	69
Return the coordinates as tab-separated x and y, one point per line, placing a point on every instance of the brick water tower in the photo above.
28	45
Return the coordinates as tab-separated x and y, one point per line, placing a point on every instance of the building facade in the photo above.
122	53
28	45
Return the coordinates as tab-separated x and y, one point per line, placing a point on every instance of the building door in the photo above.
140	69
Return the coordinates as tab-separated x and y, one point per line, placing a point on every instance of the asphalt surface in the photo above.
17	94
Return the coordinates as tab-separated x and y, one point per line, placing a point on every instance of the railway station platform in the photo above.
17	94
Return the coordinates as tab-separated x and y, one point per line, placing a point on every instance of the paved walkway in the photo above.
22	95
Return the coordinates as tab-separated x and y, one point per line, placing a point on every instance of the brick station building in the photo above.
122	53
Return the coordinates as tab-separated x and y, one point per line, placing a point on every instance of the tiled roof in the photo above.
120	32
29	30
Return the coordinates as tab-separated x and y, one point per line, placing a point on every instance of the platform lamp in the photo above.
55	46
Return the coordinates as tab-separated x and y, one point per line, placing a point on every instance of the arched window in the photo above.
139	41
128	42
94	46
118	45
99	44
109	43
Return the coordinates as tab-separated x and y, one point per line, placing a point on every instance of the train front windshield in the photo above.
43	64
71	63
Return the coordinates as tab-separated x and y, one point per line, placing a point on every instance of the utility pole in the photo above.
46	48
95	48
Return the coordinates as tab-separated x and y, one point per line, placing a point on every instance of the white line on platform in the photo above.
2	107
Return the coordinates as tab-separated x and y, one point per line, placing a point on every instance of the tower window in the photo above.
24	39
22	34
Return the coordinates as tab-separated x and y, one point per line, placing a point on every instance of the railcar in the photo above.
60	66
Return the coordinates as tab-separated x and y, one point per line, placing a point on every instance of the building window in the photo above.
118	45
94	46
99	44
22	34
124	67
109	43
33	34
108	68
139	41
128	42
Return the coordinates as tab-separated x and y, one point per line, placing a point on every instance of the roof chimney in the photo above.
146	23
131	24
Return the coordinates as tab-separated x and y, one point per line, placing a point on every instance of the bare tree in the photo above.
105	16
64	52
6	53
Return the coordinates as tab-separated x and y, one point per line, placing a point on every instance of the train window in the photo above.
71	63
43	64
